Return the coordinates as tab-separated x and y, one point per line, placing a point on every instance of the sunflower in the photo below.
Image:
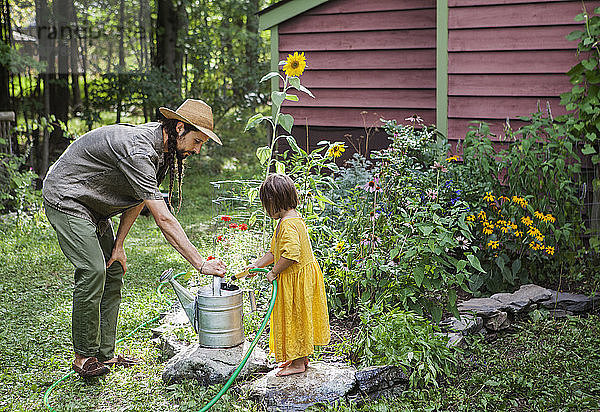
295	64
336	150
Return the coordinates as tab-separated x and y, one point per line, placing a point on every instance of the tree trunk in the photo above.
5	36
46	35
121	67
168	21
59	98
74	62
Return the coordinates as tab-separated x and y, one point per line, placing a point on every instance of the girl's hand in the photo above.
251	266
271	276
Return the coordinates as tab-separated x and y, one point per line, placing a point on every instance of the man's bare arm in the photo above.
175	235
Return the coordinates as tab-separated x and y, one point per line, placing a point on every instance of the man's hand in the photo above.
214	267
118	255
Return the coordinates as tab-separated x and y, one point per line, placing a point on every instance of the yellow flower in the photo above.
336	150
526	221
501	222
503	199
513	226
471	218
539	215
481	215
533	245
452	159
549	218
295	64
505	229
549	250
339	246
540	238
518	233
493	244
489	197
520	201
488	230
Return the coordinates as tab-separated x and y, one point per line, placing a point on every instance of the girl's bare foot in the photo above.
295	366
286	363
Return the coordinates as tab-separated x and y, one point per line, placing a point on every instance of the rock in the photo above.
484	307
381	381
559	313
319	383
169	345
210	366
456	339
497	322
568	301
520	300
468	324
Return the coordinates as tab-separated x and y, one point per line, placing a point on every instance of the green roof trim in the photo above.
274	62
285	11
441	90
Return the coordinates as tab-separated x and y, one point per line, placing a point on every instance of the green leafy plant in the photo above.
407	340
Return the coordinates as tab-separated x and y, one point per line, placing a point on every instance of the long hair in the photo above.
173	158
278	192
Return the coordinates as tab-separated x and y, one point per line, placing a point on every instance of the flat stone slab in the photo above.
568	301
320	382
520	300
210	366
468	324
485	307
381	381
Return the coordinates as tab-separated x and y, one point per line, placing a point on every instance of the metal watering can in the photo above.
215	312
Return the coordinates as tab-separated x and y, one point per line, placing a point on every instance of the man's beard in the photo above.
181	155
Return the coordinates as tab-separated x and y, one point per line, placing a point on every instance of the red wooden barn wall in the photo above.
376	56
506	55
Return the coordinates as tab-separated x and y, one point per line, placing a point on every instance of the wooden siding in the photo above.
375	56
506	58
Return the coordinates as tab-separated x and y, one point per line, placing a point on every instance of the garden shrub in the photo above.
536	174
404	339
400	237
17	192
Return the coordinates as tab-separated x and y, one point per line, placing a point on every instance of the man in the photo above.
117	170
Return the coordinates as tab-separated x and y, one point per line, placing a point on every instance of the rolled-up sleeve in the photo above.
141	175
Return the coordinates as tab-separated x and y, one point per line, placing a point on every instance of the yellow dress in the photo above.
300	319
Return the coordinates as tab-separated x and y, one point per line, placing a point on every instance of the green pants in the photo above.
97	290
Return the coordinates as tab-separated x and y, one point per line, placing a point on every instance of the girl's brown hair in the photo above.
278	192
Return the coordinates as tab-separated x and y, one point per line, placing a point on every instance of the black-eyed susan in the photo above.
295	64
549	218
526	220
489	197
452	159
481	215
471	218
550	250
538	215
518	233
340	246
493	244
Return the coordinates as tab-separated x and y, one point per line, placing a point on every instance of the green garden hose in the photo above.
235	373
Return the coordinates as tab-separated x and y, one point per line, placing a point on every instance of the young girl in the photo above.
300	319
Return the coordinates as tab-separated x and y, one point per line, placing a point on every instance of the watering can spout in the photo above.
185	297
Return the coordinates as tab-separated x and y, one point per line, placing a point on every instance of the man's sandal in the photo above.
91	368
122	361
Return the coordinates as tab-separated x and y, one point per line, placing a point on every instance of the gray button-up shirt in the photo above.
107	171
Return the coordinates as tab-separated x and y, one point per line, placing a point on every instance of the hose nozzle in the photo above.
166	275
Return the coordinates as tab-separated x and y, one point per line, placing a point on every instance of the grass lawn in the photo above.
547	365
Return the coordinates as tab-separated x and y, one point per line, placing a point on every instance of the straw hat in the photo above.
195	112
